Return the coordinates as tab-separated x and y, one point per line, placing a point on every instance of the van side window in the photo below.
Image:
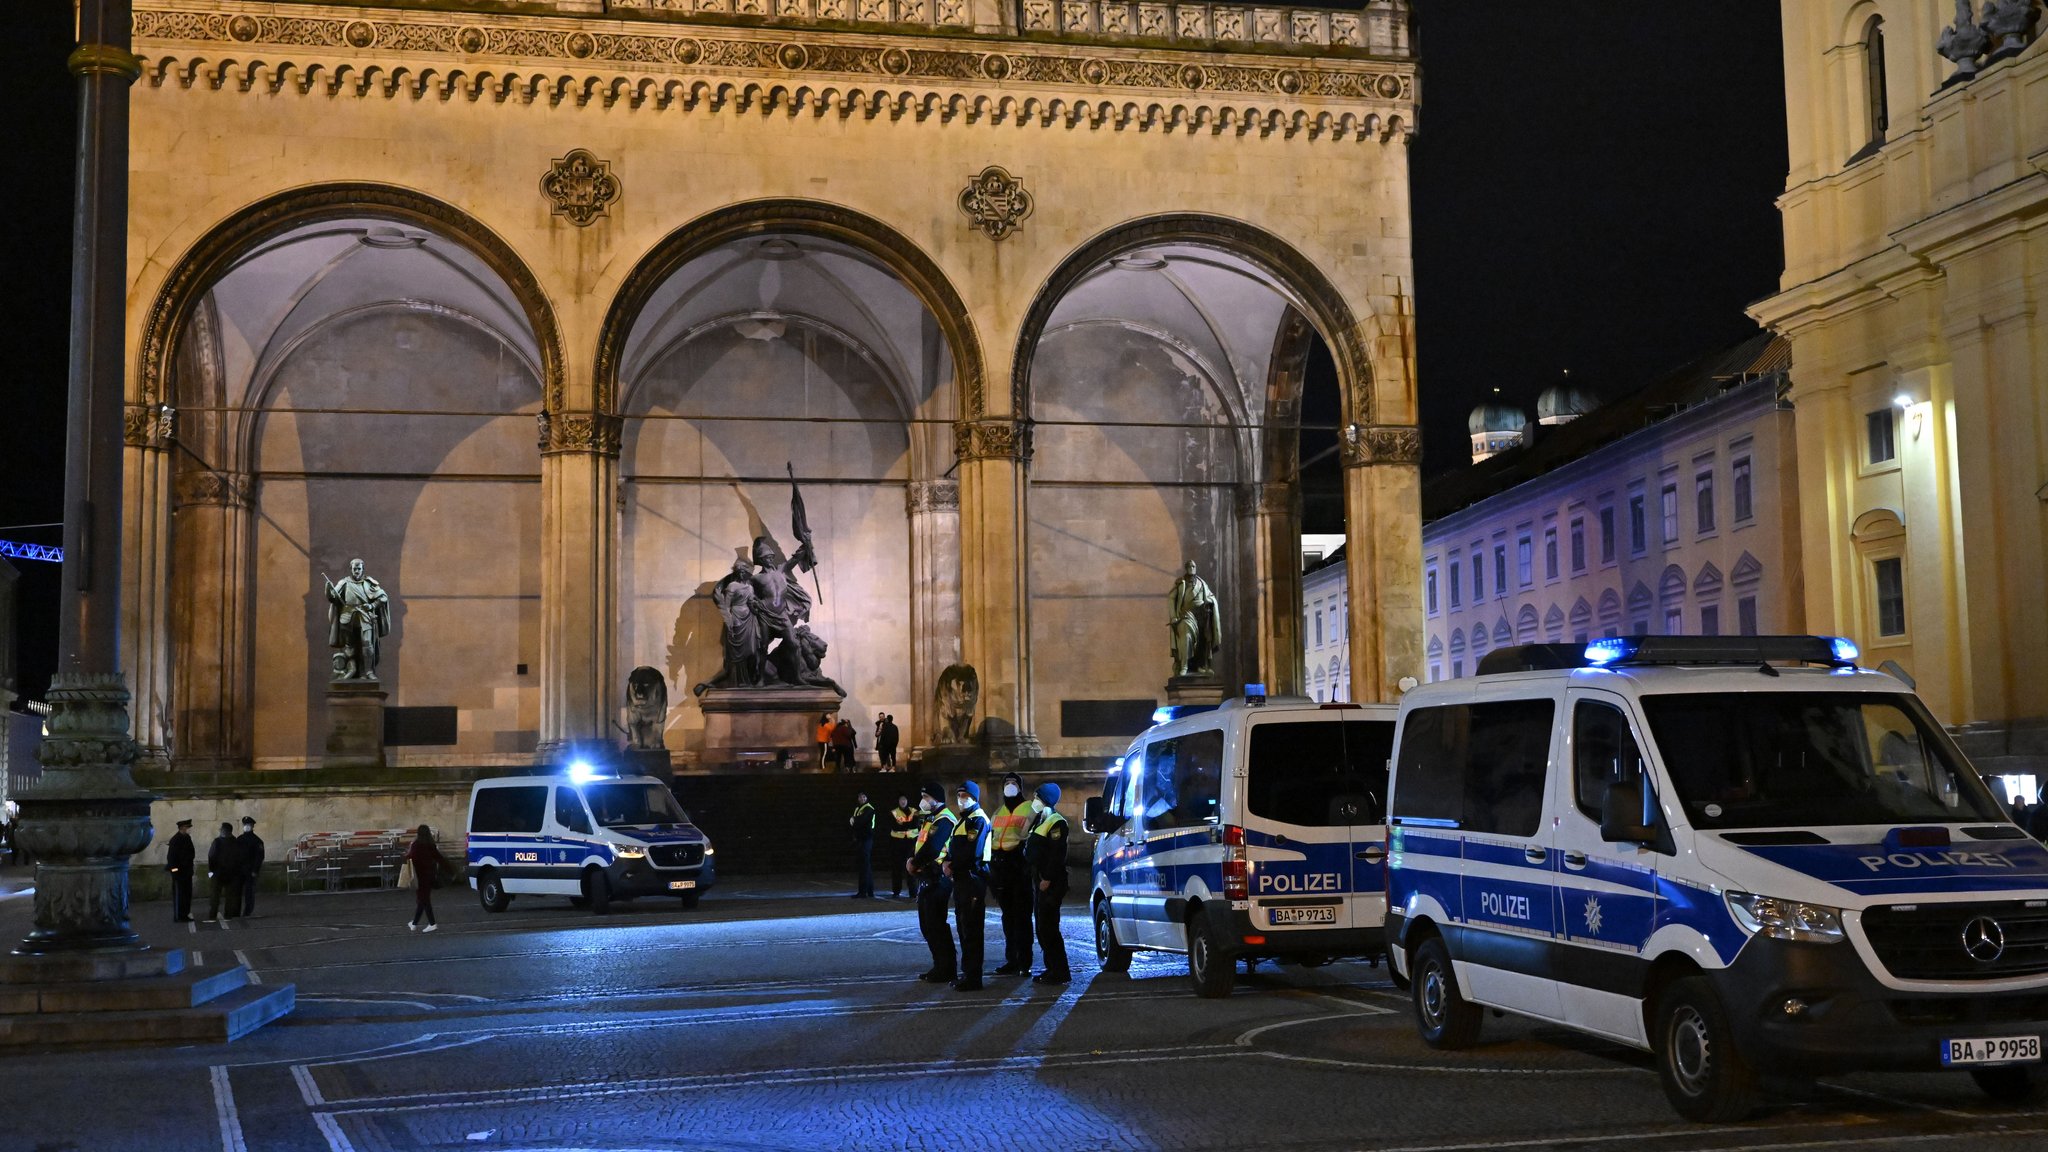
517	809
569	811
1508	756
1431	766
1131	789
1157	797
1603	752
1198	777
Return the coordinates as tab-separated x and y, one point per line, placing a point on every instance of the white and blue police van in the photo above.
590	837
1254	830
1745	855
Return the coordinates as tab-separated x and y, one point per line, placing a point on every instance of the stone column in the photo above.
579	472
934	510
1269	522
84	817
995	548
1383	556
146	591
211	688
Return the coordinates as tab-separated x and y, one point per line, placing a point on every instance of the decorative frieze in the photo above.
1368	444
923	496
598	433
213	488
995	202
580	186
147	425
993	439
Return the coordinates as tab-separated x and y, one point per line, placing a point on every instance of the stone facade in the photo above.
374	247
1910	295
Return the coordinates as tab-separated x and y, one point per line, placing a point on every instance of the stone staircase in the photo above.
136	998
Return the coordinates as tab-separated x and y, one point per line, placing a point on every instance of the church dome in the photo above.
1563	403
1496	417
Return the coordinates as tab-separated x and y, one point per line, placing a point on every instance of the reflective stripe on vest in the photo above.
1052	816
900	815
1009	827
925	833
987	840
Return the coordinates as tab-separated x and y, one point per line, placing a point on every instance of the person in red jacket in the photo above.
425	858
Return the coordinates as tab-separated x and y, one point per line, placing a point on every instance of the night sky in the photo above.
1593	191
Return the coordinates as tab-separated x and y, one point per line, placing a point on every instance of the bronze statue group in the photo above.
956	857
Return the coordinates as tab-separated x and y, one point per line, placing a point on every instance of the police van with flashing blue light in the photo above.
1745	855
1254	830
590	837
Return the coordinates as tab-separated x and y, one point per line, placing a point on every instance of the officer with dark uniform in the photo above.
178	860
252	863
934	889
1046	849
863	824
967	864
1009	880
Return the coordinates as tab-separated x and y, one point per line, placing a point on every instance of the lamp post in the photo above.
85	816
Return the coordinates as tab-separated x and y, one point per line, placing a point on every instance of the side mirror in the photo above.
1622	820
1097	817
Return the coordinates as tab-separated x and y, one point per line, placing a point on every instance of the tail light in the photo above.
1236	869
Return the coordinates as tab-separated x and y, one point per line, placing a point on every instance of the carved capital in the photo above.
1365	445
580	186
932	496
597	433
207	487
147	425
993	439
995	202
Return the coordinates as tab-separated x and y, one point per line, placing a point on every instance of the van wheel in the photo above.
1210	965
2010	1085
1113	956
1446	1019
690	899
597	891
490	892
1704	1077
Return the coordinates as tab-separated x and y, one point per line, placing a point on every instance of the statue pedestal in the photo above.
758	727
1203	689
653	762
355	724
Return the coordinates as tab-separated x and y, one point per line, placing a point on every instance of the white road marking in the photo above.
198	958
420	1004
242	958
337	1140
1378	1066
224	1111
308	1090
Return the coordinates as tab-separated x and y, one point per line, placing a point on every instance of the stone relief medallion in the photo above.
895	61
995	66
995	202
1388	86
686	50
359	34
581	45
1191	76
244	28
581	187
1094	71
792	56
470	39
1288	81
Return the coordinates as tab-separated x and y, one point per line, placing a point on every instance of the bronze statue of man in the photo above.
1194	623
358	617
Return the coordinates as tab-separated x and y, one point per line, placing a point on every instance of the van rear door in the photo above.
1314	794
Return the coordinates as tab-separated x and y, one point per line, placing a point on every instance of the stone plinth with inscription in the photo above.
355	724
764	727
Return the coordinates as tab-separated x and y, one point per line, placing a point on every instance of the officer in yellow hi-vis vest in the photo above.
1009	881
904	822
967	864
1046	849
934	888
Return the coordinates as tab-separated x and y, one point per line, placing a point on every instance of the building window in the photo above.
1607	535
1745	615
1457	669
1881	426
1319	629
1637	530
1710	620
1641	627
1454	583
1429	588
1668	505
1500	569
1336	624
1703	501
1891	596
1674	622
1877	113
1478	575
1578	546
1744	508
1436	673
1525	561
1550	553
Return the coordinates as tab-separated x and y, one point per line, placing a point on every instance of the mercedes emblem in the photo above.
1984	940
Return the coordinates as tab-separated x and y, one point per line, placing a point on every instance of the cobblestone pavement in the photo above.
782	1016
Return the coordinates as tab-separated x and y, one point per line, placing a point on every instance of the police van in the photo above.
1253	830
591	838
1743	854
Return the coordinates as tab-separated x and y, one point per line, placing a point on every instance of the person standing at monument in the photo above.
1046	850
1009	880
934	885
863	824
224	870
825	727
425	858
903	823
967	865
886	738
252	863
179	856
844	740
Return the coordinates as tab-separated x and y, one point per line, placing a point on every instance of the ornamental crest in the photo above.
581	187
995	202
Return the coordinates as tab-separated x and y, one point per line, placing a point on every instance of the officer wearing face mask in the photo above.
967	865
934	889
1009	880
1046	850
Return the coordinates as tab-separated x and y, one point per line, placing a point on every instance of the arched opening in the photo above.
1877	104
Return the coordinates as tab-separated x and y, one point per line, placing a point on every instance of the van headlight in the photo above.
1785	919
629	852
708	849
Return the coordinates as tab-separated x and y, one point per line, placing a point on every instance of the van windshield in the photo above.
1319	774
1811	759
623	804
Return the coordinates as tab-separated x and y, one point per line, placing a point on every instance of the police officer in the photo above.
967	864
252	863
179	857
1009	880
224	869
863	824
934	889
1046	850
903	825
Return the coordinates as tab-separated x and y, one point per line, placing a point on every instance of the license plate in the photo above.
679	885
1301	915
1992	1050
